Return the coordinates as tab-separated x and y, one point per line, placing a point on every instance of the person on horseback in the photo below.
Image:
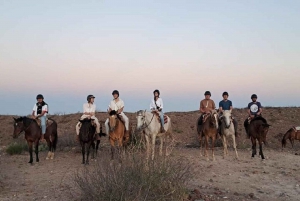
207	105
226	104
40	110
156	106
89	110
117	104
254	107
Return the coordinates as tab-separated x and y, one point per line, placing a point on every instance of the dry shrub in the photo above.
132	178
66	142
17	147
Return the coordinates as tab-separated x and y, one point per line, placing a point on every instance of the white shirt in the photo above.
88	107
44	108
116	105
159	103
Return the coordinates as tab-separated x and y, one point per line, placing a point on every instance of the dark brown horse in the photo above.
292	134
116	132
33	134
209	130
87	138
257	130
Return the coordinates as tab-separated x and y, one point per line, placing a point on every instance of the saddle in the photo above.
296	128
48	122
165	118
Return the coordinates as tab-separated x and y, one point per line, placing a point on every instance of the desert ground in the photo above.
275	178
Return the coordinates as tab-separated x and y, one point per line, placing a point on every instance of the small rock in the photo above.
251	195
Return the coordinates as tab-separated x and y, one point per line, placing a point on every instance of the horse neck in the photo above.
150	121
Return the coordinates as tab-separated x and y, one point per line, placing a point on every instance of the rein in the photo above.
143	127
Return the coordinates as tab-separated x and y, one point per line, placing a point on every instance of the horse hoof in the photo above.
47	158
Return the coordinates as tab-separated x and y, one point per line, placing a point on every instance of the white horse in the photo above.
149	123
227	129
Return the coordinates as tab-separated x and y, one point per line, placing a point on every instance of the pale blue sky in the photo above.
69	49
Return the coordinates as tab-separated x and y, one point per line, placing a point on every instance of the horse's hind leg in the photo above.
93	147
30	151
97	146
253	146
260	150
49	150
234	146
37	150
88	152
153	146
201	144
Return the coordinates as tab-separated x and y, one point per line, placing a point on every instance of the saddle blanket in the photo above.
165	118
297	128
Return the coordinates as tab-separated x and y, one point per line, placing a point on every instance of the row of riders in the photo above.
116	107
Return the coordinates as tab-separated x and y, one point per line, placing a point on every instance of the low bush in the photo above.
16	148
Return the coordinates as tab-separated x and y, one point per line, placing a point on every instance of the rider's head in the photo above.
225	95
156	93
40	98
253	97
90	98
207	95
115	94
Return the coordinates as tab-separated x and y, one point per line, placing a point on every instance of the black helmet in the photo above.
225	93
207	93
156	90
115	92
39	96
253	96
88	98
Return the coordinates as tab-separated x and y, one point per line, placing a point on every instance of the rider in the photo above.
226	104
207	105
254	107
89	110
117	104
156	105
40	110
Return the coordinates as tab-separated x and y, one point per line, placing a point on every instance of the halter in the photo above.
144	123
24	130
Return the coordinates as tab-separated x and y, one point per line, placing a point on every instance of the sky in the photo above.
66	50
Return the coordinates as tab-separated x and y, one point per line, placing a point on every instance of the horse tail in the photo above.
283	142
54	133
285	137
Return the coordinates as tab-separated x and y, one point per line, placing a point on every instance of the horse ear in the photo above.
15	119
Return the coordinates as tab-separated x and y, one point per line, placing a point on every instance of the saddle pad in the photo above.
165	118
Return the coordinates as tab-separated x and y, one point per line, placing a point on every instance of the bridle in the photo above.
144	125
223	120
24	130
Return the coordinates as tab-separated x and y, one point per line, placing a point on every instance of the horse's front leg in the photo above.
30	151
147	146
206	147
201	143
213	147
112	148
224	145
97	147
260	150
234	146
94	148
37	151
88	152
83	152
253	146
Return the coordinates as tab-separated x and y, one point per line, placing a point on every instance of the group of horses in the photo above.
149	126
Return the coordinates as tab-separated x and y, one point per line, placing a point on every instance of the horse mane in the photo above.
113	112
260	118
85	120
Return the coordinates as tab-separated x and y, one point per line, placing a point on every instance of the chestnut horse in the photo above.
33	134
292	134
116	132
209	130
257	130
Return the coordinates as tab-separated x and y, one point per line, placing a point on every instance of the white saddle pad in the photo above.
297	128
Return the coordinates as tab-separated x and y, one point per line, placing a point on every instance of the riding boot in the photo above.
162	130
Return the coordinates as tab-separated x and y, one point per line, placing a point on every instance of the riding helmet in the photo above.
225	93
207	93
89	97
115	92
253	96
39	96
156	90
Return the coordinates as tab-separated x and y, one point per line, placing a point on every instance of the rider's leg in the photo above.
97	125
162	121
126	120
43	125
107	126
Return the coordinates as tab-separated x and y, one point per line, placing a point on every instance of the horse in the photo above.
257	130
292	134
227	130
116	132
151	127
209	129
87	139
33	134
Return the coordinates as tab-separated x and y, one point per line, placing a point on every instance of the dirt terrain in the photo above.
275	178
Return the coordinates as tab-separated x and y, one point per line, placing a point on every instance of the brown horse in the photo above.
116	132
292	134
257	130
209	130
33	134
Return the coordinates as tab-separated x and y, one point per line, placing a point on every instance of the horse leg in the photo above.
30	151
224	145
97	146
49	150
112	148
37	151
53	144
83	152
93	147
260	150
253	146
213	147
292	142
88	152
147	146
206	147
153	146
234	146
201	144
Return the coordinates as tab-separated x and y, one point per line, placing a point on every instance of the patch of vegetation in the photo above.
177	130
134	178
66	141
16	148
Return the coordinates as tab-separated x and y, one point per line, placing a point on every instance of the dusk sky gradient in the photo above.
66	50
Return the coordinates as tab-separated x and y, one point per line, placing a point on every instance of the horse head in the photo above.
18	126
112	120
227	118
213	120
140	117
86	125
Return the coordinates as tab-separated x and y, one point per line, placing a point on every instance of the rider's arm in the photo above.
202	108
33	113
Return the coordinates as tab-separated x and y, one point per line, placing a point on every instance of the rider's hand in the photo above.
252	116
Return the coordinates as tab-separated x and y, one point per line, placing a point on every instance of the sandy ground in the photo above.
276	178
